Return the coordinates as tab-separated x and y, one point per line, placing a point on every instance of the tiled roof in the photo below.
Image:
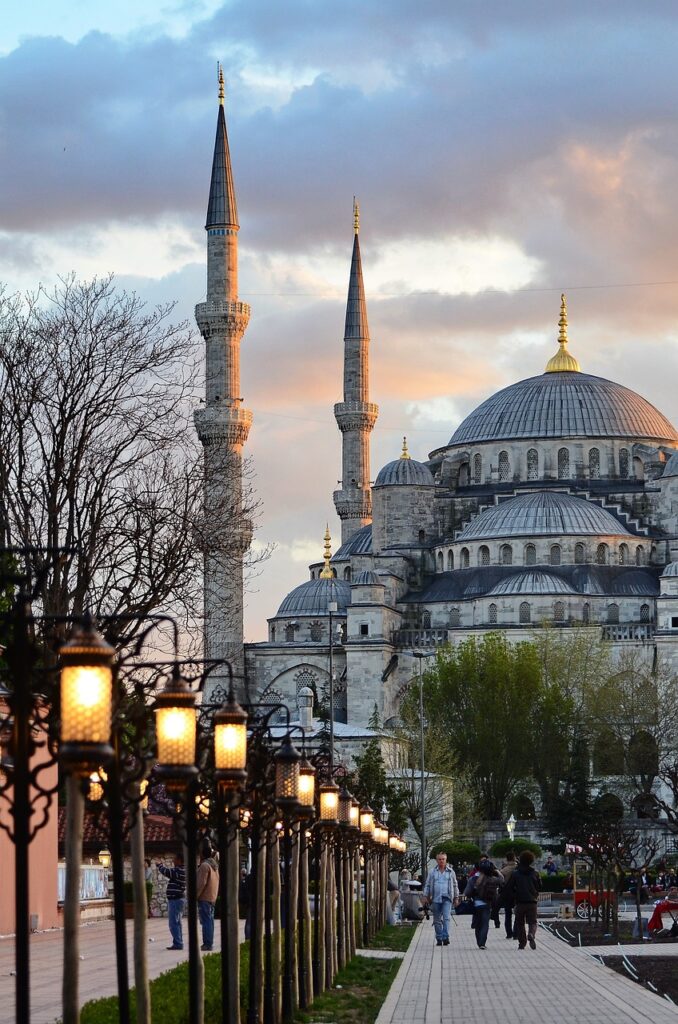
543	513
313	597
404	471
359	544
158	831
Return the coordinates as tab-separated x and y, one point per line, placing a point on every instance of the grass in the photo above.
359	990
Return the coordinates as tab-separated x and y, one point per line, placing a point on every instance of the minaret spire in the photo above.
326	571
356	415
223	424
563	361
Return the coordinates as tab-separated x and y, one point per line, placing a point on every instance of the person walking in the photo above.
176	898
442	893
207	891
484	888
506	898
523	886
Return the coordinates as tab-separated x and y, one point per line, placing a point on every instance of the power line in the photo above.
495	291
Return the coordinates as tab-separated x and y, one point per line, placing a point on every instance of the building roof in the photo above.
221	208
540	513
671	569
313	597
359	544
367	578
671	467
356	308
533	581
562	405
403	472
158	831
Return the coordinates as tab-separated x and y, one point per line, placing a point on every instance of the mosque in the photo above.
555	501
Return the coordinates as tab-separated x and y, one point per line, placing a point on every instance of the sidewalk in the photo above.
555	984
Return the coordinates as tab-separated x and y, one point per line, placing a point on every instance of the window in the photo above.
608	753
594	464
559	611
640	560
524	612
440	562
638	468
450	560
426	620
613	614
364	629
455	617
555	554
530	554
347	572
463	557
477	469
504	468
483	555
623	554
492	615
506	554
644	613
643	754
316	632
601	554
463	474
674	622
532	464
609	807
624	462
579	554
272	634
289	634
422	536
586	613
563	464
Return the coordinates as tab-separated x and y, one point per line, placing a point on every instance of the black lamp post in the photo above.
366	834
287	763
305	813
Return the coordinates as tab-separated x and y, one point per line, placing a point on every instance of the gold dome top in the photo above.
405	453
563	361
326	572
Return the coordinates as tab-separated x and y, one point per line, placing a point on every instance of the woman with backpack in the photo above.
484	887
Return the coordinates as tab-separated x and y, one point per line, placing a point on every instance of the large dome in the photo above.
531	582
312	597
564	405
542	513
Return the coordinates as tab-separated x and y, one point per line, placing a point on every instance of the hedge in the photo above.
502	847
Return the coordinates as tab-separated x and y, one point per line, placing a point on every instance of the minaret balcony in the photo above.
355	415
227	423
218	315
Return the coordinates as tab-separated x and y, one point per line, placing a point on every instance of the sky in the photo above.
501	154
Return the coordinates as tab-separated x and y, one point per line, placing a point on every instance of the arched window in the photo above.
477	469
623	554
463	474
483	555
506	554
347	572
530	554
638	468
532	464
492	615
524	612
586	613
601	554
624	462
608	753
316	631
640	557
426	620
422	536
563	464
643	754
455	617
594	464
579	553
644	613
613	614
441	564
272	634
289	634
555	554
609	807
521	807
463	558
559	611
450	560
504	468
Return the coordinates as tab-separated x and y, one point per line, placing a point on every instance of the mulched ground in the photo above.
591	934
660	972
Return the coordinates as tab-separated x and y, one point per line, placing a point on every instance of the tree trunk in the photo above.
276	923
142	989
258	909
359	882
321	898
229	915
73	851
306	924
293	904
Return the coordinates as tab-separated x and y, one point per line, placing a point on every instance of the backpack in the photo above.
488	889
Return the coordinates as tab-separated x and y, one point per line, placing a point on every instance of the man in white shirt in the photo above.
442	892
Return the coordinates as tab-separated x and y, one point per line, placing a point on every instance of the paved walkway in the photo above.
97	967
555	984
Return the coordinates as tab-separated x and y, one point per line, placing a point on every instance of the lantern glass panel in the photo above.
306	789
354	817
344	808
367	822
329	804
175	727
85	703
287	780
230	746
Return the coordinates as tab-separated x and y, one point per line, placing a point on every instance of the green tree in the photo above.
371	784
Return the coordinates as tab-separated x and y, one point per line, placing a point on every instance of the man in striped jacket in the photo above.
176	893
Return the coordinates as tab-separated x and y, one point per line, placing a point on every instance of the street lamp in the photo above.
86	699
230	744
511	827
287	799
329	804
105	858
175	726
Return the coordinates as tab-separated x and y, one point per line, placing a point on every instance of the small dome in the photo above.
367	578
671	569
543	513
533	582
671	467
405	472
359	544
312	598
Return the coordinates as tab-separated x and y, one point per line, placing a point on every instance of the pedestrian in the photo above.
524	885
207	890
442	892
550	867
484	887
507	901
176	901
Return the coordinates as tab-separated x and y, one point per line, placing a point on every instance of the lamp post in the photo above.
511	827
287	763
419	655
331	609
305	812
366	834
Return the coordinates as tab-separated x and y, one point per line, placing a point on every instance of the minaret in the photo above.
356	415
223	425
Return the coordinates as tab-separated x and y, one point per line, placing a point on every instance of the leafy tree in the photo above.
459	852
371	785
517	844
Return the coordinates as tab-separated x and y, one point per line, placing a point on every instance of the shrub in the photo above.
553	883
458	852
502	847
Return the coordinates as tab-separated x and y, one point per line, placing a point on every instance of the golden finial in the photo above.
356	215
221	86
326	572
563	361
404	453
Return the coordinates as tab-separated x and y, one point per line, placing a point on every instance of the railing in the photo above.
630	631
420	638
93	882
